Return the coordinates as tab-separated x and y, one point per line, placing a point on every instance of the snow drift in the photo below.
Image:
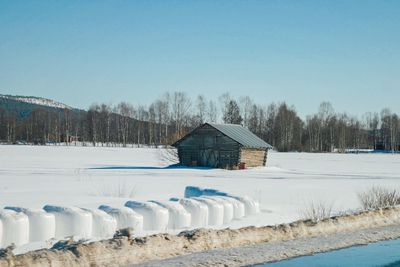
179	218
125	217
42	225
71	222
155	217
15	228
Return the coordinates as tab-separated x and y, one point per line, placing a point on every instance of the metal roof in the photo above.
241	135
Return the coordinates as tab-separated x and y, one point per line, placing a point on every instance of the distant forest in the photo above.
175	114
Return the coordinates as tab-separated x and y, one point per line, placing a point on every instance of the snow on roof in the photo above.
241	135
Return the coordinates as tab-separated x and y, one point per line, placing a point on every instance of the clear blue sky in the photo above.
301	52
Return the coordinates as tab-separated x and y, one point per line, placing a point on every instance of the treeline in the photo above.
174	114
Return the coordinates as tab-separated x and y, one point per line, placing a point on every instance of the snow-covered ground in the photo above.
33	176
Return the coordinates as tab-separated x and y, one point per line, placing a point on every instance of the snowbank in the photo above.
104	225
179	218
15	228
125	217
155	217
125	250
228	207
197	210
42	225
215	211
71	221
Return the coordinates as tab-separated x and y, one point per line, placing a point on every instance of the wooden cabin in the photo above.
228	146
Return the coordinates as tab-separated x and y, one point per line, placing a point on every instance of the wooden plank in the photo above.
208	147
252	157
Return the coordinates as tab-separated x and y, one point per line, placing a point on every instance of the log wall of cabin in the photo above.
208	147
253	157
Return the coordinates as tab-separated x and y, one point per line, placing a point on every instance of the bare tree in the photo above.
152	124
93	118
390	129
105	123
212	112
181	104
126	111
223	102
246	107
287	129
201	108
172	115
325	114
372	124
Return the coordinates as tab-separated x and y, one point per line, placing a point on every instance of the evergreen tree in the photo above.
232	113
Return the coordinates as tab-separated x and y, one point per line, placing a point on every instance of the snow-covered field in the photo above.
33	176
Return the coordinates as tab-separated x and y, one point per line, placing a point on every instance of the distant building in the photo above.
222	146
73	138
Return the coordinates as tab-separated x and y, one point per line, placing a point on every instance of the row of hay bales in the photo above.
199	208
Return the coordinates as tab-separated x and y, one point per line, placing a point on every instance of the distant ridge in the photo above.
41	101
23	106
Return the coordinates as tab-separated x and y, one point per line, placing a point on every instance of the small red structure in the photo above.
242	165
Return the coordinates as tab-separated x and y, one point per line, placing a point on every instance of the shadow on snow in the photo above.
170	167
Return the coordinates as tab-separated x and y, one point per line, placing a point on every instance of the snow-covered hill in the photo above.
37	101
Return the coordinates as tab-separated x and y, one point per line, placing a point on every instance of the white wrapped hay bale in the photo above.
42	225
228	207
238	207
15	228
104	225
125	217
155	217
251	206
179	218
71	221
197	210
215	211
